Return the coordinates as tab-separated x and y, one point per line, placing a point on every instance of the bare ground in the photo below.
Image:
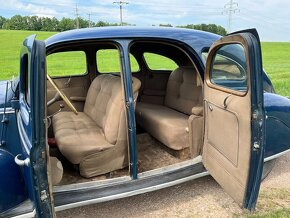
198	198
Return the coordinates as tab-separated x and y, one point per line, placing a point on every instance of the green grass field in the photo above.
276	59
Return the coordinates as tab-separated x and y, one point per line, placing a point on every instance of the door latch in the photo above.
20	162
256	146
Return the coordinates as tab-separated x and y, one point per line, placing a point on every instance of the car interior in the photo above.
93	145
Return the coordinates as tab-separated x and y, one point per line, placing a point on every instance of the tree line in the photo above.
37	23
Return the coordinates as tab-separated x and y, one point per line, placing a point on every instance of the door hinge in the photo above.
43	195
255	115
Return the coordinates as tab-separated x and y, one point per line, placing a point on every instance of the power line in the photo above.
121	3
90	24
230	9
77	17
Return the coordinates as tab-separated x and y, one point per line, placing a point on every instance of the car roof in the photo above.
195	38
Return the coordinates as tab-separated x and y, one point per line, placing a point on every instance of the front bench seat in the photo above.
170	123
96	139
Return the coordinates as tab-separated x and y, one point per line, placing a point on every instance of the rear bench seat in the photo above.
171	123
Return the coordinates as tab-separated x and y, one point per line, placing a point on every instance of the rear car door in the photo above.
234	116
31	121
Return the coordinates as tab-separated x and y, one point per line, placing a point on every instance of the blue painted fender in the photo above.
12	186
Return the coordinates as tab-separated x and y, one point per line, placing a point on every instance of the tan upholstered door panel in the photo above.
228	105
75	86
228	145
154	87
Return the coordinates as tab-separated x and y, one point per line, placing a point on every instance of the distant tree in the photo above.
213	28
83	23
66	24
103	23
34	23
17	22
165	25
2	22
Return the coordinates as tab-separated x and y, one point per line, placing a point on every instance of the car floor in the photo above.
151	155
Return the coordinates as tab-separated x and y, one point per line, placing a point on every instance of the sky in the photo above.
270	17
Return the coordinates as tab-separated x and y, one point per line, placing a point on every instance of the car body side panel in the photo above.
277	124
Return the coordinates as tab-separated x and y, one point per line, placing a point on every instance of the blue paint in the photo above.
277	123
198	40
12	86
12	187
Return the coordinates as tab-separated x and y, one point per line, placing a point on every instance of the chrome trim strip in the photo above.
23	137
276	155
9	110
27	215
131	193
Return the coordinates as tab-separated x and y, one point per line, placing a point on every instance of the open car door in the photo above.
31	121
234	116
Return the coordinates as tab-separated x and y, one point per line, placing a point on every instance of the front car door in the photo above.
31	121
234	116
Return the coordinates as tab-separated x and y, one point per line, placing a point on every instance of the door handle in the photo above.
225	101
20	162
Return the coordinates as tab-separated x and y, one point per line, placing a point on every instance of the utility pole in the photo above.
89	14
77	17
121	3
230	9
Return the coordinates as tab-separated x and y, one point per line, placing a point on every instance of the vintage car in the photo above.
106	113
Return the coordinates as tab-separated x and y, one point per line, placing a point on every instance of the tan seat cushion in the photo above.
96	139
78	136
170	123
183	90
167	125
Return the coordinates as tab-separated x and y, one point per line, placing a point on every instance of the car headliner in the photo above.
198	40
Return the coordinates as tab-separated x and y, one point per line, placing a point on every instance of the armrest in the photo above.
77	98
198	111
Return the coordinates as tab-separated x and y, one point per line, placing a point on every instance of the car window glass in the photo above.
229	67
108	61
159	62
66	63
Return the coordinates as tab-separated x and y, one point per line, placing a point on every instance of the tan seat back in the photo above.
105	104
183	90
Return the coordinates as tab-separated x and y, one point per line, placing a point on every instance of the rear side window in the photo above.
66	63
229	67
159	62
108	61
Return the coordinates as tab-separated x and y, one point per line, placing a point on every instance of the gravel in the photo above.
199	198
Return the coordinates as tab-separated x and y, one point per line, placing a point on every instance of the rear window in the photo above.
108	61
66	63
159	62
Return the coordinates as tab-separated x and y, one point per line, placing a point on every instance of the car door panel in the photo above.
225	131
234	116
75	86
215	116
154	89
33	159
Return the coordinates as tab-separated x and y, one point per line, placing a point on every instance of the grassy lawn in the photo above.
10	44
276	59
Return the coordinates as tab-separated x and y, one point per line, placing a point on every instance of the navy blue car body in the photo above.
25	188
